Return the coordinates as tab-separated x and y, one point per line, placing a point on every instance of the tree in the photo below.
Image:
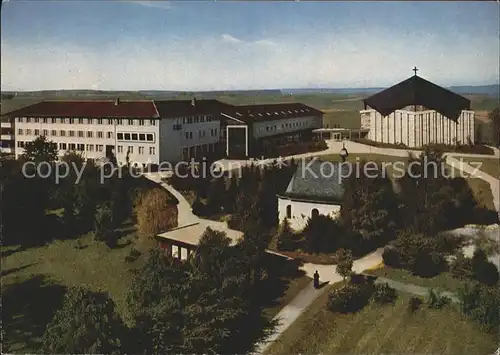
86	323
231	193
494	117
320	234
40	150
216	194
344	263
287	239
103	226
156	213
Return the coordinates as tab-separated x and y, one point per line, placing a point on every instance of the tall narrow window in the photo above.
289	211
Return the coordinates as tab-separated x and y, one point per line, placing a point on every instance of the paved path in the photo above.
414	289
292	311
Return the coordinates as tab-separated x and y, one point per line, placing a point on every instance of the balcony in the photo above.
7	137
6	125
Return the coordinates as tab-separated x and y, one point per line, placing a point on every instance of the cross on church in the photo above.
415	70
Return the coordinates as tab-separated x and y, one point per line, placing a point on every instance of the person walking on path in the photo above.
316	279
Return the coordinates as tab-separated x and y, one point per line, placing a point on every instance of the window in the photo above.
71	146
142	137
289	211
28	132
90	121
141	150
131	149
109	135
80	147
99	121
28	120
120	136
120	149
130	122
20	144
37	132
80	120
20	131
62	133
20	119
99	148
119	121
100	134
44	120
71	133
37	120
71	121
80	134
110	121
149	137
54	133
134	136
184	120
152	122
90	147
187	135
314	213
151	150
89	134
141	122
127	136
62	146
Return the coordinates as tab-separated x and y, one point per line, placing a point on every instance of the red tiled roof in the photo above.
255	113
83	109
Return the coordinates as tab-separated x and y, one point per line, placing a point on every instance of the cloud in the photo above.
231	39
164	5
362	60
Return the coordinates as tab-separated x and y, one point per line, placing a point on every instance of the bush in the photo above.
428	265
461	267
414	304
287	239
198	207
481	303
486	272
391	257
384	293
133	255
437	301
350	298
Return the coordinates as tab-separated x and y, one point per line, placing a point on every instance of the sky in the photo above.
219	45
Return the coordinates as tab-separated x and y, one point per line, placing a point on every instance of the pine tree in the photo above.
287	239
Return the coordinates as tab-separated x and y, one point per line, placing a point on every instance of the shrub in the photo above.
481	303
428	265
198	207
414	304
485	272
391	257
436	301
133	255
156	212
461	266
287	239
350	298
344	263
384	293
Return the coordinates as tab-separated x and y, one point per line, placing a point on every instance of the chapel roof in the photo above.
319	180
418	91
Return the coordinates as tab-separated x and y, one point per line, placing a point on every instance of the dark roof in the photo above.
419	92
318	180
179	108
89	108
269	112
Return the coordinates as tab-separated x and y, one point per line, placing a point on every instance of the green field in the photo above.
386	329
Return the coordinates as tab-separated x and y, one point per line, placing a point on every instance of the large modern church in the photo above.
416	112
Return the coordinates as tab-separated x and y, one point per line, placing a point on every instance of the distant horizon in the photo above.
221	46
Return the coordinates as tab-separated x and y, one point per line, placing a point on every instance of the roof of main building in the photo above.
90	108
318	180
269	112
418	91
177	108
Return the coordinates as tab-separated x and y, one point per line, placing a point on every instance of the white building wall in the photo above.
416	129
301	211
279	126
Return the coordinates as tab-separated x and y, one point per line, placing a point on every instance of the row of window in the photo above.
276	113
202	133
62	133
286	125
119	121
138	137
94	148
197	119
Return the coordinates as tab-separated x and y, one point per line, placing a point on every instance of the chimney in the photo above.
117	101
193	101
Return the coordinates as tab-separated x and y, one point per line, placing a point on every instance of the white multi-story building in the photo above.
148	132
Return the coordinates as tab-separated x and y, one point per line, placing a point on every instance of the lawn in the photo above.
444	281
489	166
295	285
34	281
382	330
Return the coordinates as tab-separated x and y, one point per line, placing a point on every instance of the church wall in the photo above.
301	211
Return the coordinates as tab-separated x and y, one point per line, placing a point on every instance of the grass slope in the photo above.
382	330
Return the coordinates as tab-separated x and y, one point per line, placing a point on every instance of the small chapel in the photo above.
417	112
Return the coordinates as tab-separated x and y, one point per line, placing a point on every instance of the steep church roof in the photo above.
416	91
318	181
